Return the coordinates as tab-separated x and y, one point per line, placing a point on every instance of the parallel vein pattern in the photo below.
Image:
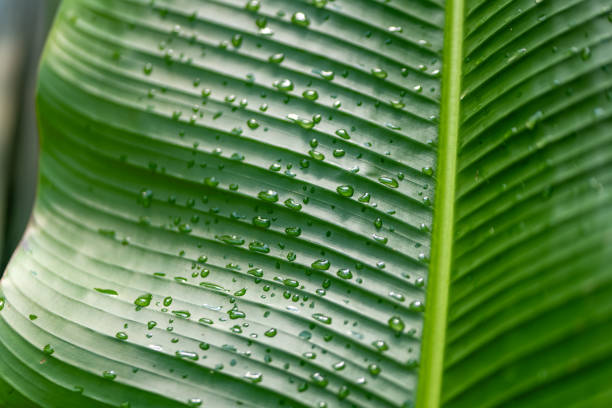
234	206
530	312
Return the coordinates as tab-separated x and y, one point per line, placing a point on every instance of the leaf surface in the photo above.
232	205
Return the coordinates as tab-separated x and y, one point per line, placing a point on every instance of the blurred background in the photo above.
23	28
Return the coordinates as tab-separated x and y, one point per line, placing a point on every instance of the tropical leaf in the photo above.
235	204
529	314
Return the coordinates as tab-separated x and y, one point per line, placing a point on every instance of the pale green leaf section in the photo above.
234	206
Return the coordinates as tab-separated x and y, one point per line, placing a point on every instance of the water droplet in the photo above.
379	73
398	104
343	392
428	171
252	124
240	292
258	246
417	306
380	345
48	349
388	181
345	190
205	320
344	273
397	296
284	85
121	335
328	75
322	318
148	68
143	300
254	377
343	133
261	222
302	122
301	19
339	153
107	291
321	264
268	195
236	314
253	5
397	324
378	223
292	283
364	198
257	272
237	40
293	231
292	204
316	155
374	369
380	239
276	58
183	314
187	355
340	365
271	332
230	239
109	375
318	379
194	402
310	94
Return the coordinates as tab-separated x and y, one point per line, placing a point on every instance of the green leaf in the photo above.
232	206
235	203
529	315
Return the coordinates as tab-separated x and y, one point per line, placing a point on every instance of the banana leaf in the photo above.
318	203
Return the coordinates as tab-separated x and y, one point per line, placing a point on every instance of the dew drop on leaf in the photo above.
380	345
268	195
121	335
318	379
345	190
194	402
292	204
252	124
322	318
301	19
254	377
283	85
388	181
344	273
379	73
143	300
48	349
397	324
321	264
310	94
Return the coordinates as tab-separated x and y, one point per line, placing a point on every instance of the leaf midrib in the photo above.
434	331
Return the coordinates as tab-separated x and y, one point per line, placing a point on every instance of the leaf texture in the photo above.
233	209
529	316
